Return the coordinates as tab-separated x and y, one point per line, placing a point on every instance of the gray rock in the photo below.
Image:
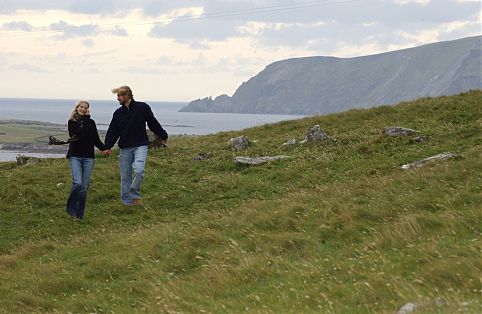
407	308
441	302
154	140
315	133
203	156
290	142
420	139
420	163
398	131
27	160
257	160
239	143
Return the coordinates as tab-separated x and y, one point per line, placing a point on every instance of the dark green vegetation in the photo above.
339	227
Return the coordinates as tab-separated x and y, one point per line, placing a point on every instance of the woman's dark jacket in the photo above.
84	135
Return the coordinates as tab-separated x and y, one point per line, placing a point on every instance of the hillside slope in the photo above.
338	227
318	85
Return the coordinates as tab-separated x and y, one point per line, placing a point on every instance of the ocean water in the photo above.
58	111
175	123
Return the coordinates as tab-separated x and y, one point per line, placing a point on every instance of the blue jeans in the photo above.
132	161
81	169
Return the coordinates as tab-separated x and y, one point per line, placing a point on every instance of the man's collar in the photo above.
129	103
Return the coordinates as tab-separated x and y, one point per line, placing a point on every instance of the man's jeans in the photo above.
132	161
81	169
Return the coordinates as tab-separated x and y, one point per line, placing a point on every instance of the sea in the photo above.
174	122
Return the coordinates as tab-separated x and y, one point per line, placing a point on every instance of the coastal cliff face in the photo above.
318	85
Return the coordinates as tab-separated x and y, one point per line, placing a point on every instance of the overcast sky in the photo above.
187	49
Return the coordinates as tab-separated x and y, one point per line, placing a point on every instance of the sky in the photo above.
187	49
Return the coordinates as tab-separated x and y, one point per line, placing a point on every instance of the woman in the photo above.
83	136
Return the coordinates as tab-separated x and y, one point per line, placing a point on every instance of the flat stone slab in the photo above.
422	162
257	160
398	131
290	142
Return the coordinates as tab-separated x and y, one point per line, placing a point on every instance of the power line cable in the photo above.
267	9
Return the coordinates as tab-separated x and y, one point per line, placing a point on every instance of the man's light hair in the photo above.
124	91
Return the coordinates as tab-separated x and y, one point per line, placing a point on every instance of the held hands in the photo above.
107	152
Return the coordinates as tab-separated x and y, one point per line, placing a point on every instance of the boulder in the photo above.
315	133
239	143
154	140
27	160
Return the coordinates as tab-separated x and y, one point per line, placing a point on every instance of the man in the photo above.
129	126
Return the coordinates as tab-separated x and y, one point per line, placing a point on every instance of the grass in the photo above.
337	228
11	132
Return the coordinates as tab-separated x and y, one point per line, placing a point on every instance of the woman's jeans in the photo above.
81	169
132	161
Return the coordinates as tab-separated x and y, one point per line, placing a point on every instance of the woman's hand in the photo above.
107	152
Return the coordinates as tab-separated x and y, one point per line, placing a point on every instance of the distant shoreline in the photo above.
27	137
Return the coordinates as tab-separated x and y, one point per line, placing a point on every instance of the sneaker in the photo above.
136	202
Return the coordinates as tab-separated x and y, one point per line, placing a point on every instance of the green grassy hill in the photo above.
338	227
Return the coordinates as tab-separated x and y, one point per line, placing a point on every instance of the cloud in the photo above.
118	31
403	2
142	70
196	31
164	60
89	42
17	26
212	44
72	31
28	68
220	20
150	7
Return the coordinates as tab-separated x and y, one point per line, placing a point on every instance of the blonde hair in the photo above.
124	91
75	115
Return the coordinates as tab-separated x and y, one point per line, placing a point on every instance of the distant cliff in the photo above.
317	85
